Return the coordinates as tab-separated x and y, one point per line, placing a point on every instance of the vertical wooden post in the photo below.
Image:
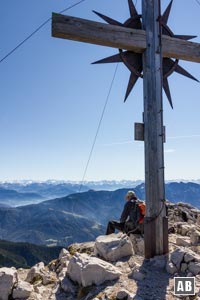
155	230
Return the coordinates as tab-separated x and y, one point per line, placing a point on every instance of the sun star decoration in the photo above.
133	61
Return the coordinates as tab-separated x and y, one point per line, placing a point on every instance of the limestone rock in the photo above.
62	274
88	270
191	256
177	257
198	220
64	253
48	277
195	237
185	229
63	260
124	295
44	293
194	267
184	267
39	273
133	264
87	247
159	261
113	247
22	274
23	290
67	286
35	273
171	268
183	241
8	278
138	244
137	275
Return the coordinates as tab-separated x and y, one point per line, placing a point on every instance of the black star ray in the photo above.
132	80
165	15
133	61
111	59
183	72
184	37
107	19
133	11
167	91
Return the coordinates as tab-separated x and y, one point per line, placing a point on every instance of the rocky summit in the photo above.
113	267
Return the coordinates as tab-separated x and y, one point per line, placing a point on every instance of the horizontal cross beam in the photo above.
87	31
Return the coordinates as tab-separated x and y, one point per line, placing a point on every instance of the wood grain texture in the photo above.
97	33
153	130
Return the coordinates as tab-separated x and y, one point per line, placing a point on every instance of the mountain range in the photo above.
25	192
11	197
28	192
78	217
25	255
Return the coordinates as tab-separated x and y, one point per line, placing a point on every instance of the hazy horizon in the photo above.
97	181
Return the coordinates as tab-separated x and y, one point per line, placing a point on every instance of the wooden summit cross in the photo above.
155	44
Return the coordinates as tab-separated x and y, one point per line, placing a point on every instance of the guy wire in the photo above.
36	30
98	128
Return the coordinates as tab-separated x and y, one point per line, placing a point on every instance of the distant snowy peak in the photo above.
105	181
29	181
70	186
101	184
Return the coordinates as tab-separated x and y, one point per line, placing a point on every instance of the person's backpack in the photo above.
142	209
136	220
137	212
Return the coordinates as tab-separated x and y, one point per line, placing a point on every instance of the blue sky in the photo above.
52	99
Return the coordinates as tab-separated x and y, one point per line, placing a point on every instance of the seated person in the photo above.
130	216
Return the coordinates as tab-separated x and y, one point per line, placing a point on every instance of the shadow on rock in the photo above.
152	279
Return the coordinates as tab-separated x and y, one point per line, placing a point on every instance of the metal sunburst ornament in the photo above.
133	61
